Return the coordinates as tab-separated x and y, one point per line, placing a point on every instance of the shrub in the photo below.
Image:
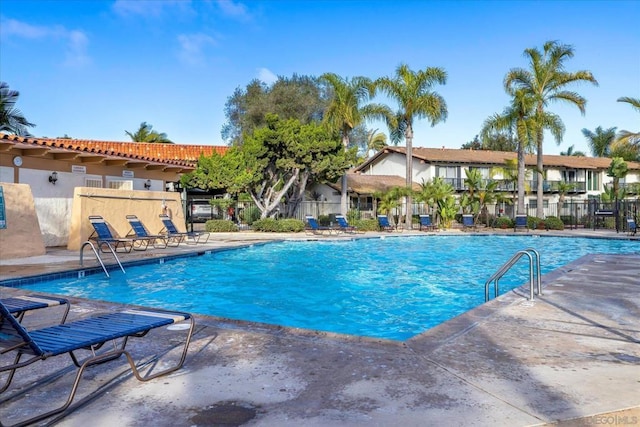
352	216
250	215
533	222
220	226
553	223
324	220
366	224
272	225
503	222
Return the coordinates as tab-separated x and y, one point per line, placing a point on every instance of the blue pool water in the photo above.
391	288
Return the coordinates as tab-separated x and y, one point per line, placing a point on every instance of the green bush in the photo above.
366	224
271	225
220	226
533	223
353	216
250	215
553	223
503	222
324	220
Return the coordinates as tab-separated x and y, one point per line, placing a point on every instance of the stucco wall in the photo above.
115	205
22	237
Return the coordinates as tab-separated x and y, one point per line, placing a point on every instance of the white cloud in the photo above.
266	76
148	8
76	41
192	47
234	9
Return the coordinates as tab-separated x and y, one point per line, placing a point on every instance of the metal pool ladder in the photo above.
534	273
95	251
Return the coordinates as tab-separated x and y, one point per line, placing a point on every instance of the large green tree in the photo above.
145	133
413	91
600	141
11	118
348	109
298	97
546	81
275	163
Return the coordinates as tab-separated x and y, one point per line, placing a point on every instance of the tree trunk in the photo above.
521	176
540	186
344	198
409	179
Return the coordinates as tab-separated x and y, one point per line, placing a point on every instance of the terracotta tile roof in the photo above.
178	154
448	155
368	184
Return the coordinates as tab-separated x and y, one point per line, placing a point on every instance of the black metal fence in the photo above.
592	214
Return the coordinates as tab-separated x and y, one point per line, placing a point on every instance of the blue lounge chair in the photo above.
425	223
632	228
85	334
21	304
103	236
521	223
383	223
189	237
157	240
314	227
468	223
343	225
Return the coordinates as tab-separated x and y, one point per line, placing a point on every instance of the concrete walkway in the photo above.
570	357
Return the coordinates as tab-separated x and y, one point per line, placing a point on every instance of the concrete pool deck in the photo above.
571	357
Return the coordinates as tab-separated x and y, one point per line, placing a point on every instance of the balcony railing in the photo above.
503	185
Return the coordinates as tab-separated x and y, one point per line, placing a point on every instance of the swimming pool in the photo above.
391	288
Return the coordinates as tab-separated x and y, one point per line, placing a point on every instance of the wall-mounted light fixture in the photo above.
147	184
53	177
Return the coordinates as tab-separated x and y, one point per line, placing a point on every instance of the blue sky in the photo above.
93	69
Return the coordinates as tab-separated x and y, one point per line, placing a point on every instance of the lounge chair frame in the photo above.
425	223
313	227
189	237
103	236
84	334
468	223
139	231
384	224
19	305
520	223
343	225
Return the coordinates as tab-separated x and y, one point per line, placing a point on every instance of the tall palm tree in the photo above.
11	119
145	133
546	81
516	118
600	140
346	110
416	99
571	151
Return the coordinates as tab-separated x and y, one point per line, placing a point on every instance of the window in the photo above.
484	172
533	204
593	183
448	171
569	175
121	185
93	182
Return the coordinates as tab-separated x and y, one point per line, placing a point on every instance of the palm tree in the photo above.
516	118
600	140
11	119
570	152
563	188
546	81
346	111
618	169
376	141
146	134
416	99
626	140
